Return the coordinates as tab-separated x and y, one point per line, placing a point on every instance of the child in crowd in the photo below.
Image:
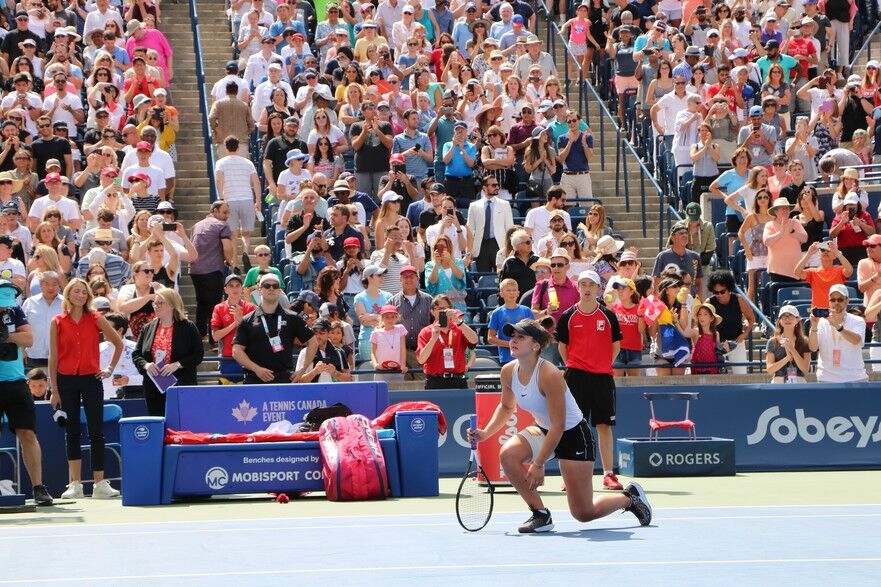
509	313
705	340
337	339
38	383
388	345
626	309
126	381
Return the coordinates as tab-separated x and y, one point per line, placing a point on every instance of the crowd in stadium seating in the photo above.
403	140
87	164
426	156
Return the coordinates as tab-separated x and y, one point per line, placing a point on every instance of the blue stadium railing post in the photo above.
203	99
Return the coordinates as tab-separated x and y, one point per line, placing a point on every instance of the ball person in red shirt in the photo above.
589	363
75	371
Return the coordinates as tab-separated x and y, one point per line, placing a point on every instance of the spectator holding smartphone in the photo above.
442	347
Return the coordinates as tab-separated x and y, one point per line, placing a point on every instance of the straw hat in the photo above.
717	319
778	203
607	245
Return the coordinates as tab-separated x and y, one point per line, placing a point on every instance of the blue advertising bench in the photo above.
156	473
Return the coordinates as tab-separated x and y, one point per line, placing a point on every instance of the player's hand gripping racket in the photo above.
474	504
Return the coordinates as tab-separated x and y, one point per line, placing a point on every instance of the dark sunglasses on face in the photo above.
269	286
102	243
147	271
720	292
557	265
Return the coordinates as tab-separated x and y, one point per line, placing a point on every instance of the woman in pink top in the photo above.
783	237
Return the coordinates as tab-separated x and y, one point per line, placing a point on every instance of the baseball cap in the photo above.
101	304
53	163
529	328
408	269
517	19
408	9
310	297
388	309
391	196
460	124
755	111
788	309
52	177
232	66
143	146
875	239
373	270
232	277
693	211
590	275
5	239
839	289
352	241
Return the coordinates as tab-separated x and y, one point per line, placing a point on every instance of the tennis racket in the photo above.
474	504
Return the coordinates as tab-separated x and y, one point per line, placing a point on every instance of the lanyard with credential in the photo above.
274	341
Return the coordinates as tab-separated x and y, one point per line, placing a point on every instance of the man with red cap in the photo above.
156	186
57	191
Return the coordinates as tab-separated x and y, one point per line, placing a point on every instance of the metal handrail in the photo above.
203	98
643	173
867	46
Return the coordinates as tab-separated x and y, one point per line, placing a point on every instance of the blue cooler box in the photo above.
676	457
142	442
417	436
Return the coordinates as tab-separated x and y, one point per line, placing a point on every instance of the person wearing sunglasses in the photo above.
738	318
265	339
135	299
520	265
838	340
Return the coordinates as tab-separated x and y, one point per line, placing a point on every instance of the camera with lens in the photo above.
8	350
399	168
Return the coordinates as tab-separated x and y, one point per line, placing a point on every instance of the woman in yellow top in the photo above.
351	75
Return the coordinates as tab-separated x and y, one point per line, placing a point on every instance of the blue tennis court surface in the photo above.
803	545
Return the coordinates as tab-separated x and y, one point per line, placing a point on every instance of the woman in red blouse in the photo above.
169	345
75	371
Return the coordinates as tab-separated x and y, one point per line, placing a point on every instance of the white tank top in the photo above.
530	399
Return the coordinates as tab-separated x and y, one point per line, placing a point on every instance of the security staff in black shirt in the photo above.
265	339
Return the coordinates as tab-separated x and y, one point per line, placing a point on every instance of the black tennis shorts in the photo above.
17	403
595	395
576	444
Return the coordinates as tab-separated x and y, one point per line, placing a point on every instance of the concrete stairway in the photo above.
606	184
192	197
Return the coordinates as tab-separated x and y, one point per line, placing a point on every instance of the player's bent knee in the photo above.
583	515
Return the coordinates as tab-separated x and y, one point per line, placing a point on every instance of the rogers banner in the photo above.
775	427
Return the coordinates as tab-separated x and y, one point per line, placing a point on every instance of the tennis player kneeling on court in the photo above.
559	431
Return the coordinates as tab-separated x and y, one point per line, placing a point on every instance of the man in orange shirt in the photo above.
826	275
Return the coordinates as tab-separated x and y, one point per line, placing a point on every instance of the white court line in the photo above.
56	526
505	566
346	527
